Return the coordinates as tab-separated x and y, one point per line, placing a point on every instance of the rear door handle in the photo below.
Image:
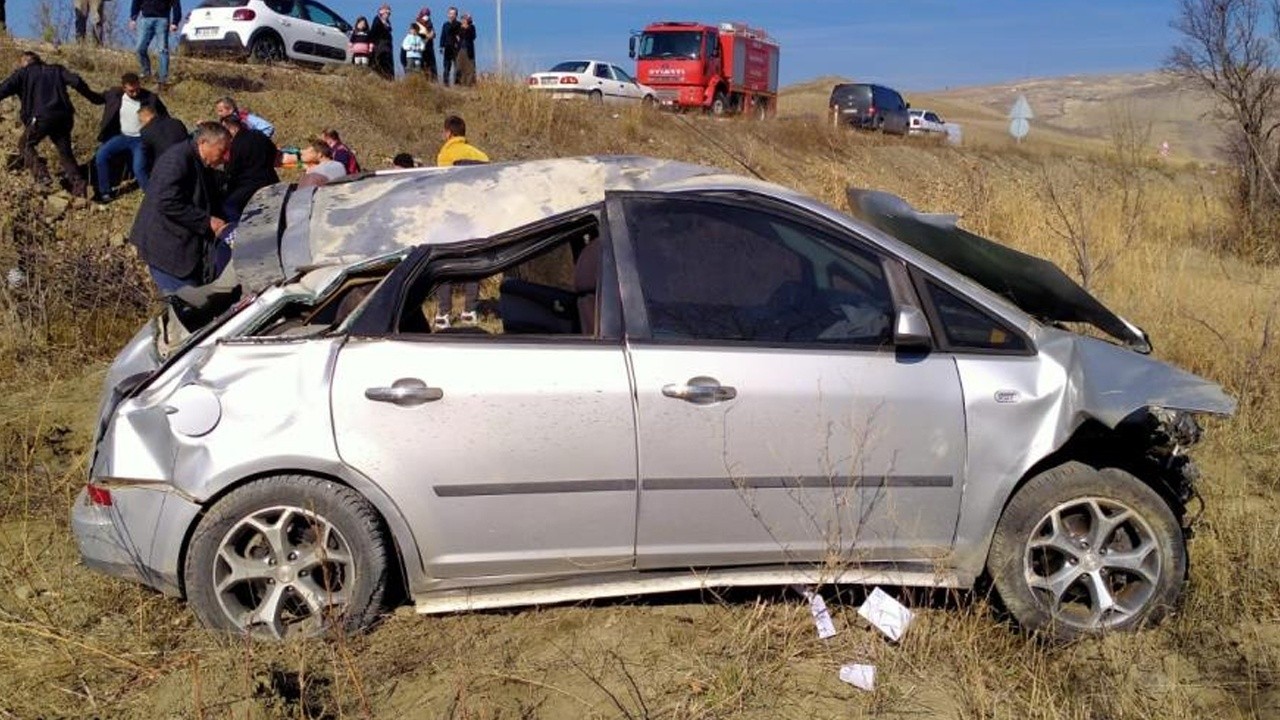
701	390
405	392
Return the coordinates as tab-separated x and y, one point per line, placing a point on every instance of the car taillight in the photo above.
533	81
244	15
569	80
871	110
98	495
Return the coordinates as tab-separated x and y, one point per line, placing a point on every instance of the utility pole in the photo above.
501	66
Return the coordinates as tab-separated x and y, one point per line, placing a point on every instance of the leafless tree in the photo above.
1228	48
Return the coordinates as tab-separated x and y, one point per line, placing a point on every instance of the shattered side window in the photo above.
967	327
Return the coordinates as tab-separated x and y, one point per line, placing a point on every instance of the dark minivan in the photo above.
871	107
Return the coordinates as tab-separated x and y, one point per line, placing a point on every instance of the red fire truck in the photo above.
722	69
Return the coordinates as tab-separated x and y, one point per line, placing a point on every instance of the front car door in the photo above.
330	33
777	422
509	447
628	88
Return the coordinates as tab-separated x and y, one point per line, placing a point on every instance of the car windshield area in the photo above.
576	66
659	45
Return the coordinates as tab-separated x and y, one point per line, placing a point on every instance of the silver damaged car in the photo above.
679	378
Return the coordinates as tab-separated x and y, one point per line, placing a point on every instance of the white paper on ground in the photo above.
859	676
818	609
887	614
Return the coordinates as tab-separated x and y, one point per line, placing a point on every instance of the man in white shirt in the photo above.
121	134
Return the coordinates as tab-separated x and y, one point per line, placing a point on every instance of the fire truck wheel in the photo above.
720	105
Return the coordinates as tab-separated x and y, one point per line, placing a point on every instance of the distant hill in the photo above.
1071	110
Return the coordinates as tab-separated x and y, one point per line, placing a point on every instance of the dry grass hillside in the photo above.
1071	112
76	644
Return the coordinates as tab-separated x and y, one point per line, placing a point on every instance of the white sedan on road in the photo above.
924	122
592	79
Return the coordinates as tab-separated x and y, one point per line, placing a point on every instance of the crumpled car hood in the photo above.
1037	286
1108	383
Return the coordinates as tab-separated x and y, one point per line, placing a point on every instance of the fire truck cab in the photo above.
721	69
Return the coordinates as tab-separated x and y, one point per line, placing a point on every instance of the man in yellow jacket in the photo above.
456	150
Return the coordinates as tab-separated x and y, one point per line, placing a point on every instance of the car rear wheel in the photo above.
1080	551
267	47
596	97
288	556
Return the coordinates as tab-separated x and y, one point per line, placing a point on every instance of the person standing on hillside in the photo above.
152	20
86	10
47	112
411	50
381	36
450	41
177	227
427	30
120	132
360	47
467	51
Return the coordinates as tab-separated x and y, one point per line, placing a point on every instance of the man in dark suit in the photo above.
177	226
159	133
251	168
120	133
47	112
450	43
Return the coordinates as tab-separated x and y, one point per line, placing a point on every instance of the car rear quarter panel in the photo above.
273	400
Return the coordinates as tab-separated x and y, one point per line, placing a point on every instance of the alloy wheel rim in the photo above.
283	571
1092	563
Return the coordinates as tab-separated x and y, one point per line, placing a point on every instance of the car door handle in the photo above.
405	392
700	391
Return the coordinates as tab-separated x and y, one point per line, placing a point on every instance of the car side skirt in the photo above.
626	584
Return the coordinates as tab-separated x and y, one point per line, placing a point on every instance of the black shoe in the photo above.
100	199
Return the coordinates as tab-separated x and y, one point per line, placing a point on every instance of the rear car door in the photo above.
777	422
605	83
509	447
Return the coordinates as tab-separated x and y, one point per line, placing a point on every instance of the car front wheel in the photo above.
267	48
1080	551
288	556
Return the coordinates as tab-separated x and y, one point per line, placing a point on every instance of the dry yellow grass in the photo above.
73	643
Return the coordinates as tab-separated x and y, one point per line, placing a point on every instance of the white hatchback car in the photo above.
266	30
593	79
924	122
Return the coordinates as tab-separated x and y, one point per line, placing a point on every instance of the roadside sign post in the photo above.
1020	115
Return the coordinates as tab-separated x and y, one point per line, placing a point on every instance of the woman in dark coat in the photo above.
382	38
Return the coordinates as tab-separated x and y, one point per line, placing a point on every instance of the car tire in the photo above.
1080	551
267	47
288	556
649	102
720	105
595	97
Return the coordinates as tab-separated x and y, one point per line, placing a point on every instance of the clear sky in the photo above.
911	44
